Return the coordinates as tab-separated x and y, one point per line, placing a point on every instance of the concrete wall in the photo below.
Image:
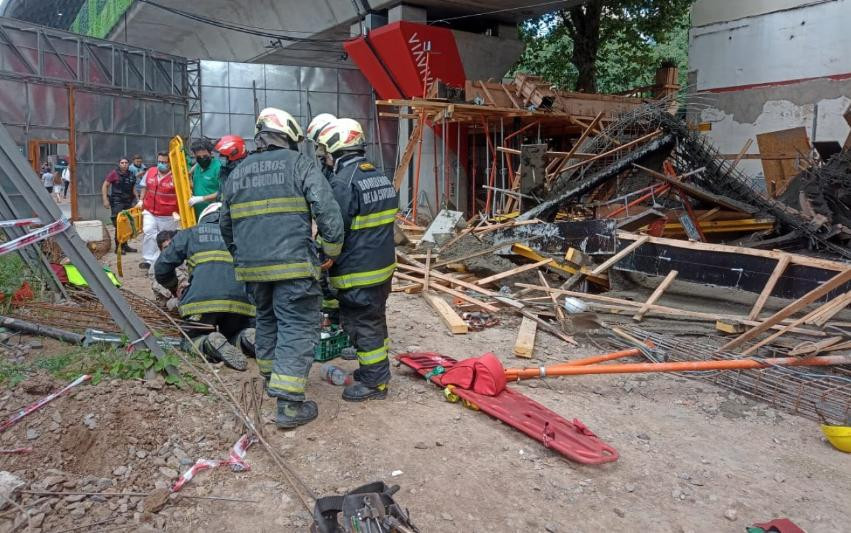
780	69
705	12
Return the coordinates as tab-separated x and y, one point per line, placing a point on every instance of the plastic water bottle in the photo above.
335	375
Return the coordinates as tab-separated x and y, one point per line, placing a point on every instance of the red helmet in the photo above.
232	147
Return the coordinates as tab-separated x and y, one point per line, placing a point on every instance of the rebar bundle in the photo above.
812	392
84	311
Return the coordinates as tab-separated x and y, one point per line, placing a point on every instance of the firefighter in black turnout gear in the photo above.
330	304
213	291
269	200
362	274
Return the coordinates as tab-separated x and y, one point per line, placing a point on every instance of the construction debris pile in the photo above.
650	199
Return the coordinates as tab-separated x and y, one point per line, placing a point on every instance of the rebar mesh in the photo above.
84	311
817	393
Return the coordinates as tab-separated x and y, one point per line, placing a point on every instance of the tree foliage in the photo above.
607	45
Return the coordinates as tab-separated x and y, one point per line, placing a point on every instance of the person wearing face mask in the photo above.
159	203
205	176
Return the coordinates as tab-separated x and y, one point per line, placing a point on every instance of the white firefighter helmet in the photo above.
274	120
342	134
318	124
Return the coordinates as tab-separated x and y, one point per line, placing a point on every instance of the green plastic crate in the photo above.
332	345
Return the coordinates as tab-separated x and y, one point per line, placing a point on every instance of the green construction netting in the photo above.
97	17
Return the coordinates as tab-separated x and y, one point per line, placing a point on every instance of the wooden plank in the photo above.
564	268
450	291
730	327
814	348
560	314
578	143
488	94
741	154
797	259
781	331
656	295
453	321
778	172
660	309
782	263
799	304
708	215
620	255
458	282
525	343
413	141
841	303
427	270
510	96
549	328
512	272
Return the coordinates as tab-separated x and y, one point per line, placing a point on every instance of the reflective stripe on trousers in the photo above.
374	356
286	383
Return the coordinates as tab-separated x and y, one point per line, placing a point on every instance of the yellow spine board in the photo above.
182	184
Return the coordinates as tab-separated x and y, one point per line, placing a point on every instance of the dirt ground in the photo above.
693	457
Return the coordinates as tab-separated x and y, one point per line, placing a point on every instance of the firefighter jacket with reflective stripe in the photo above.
369	204
213	287
268	202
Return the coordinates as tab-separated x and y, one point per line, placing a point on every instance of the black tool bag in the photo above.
367	508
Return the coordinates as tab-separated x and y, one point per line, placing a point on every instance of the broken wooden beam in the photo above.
782	263
512	272
620	255
453	321
525	343
836	281
656	295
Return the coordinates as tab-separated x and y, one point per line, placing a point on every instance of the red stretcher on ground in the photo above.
573	439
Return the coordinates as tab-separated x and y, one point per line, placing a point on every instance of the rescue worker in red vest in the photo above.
232	149
159	201
362	274
268	202
213	292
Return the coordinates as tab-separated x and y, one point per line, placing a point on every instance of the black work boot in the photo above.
293	414
126	249
246	342
217	348
358	392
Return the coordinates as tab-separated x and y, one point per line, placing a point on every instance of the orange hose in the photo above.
683	366
632	352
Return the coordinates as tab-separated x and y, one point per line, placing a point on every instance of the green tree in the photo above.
606	45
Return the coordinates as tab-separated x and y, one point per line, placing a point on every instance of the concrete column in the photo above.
408	13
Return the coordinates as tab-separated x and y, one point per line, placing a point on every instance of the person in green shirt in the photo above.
205	176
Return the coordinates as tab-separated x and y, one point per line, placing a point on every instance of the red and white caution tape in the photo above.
14	419
236	461
19	222
54	228
28	449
